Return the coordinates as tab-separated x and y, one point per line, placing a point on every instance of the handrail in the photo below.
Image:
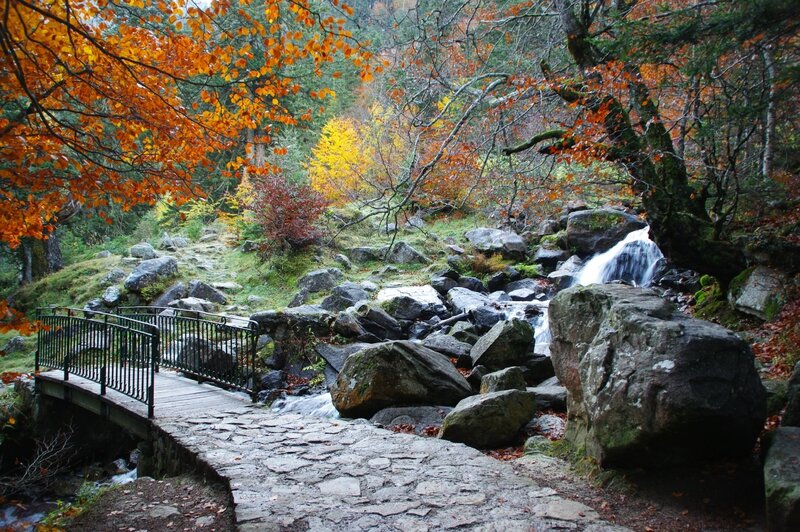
209	347
115	351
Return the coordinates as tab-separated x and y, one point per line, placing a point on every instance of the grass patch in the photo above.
88	495
20	361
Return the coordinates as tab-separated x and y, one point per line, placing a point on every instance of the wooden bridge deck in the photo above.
175	396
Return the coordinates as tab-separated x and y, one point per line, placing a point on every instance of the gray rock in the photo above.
507	243
174	292
347	324
254	299
447	345
549	257
378	322
149	272
303	318
403	253
173	243
791	415
210	237
508	343
195	304
486	317
273	380
361	255
228	286
343	261
202	356
597	230
299	299
647	384
443	284
471	283
112	277
567	273
415	222
550	397
369	286
142	250
489	420
344	296
201	290
464	300
15	344
522	294
393	374
782	480
112	296
464	331
760	293
336	355
102	254
419	417
411	302
511	378
320	280
547	227
540	287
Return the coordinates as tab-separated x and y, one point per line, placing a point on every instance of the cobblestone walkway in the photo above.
288	472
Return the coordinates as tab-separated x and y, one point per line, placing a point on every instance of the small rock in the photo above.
142	250
320	280
507	379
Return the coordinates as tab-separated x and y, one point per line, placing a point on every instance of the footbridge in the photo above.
142	362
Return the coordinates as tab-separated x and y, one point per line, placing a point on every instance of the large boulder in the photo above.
142	250
447	345
512	378
112	296
507	243
320	280
344	296
395	374
176	291
411	302
489	420
791	416
597	230
403	253
198	355
647	384
149	272
378	322
758	292
782	480
202	290
464	300
508	343
311	318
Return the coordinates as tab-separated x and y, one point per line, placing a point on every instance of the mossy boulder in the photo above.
395	374
758	291
782	480
597	230
508	343
489	420
649	386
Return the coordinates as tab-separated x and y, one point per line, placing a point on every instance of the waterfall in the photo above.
633	260
309	405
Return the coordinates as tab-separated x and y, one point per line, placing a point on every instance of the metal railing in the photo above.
118	352
209	347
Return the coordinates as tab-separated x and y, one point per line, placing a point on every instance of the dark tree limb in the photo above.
553	134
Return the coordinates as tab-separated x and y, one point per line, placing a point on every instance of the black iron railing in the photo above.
209	347
118	352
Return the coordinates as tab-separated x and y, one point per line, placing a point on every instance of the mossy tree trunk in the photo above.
679	222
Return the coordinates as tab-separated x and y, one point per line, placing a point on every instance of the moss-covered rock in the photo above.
489	420
597	230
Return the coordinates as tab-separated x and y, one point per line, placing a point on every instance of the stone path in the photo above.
288	472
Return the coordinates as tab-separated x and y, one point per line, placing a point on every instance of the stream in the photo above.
635	260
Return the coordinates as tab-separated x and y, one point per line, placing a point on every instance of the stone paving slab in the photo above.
289	472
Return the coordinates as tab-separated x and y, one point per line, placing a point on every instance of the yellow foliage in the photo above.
342	162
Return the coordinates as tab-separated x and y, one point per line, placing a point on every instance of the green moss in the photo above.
528	270
707	280
554	239
736	284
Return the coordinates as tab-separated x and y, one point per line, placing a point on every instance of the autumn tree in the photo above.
643	87
124	101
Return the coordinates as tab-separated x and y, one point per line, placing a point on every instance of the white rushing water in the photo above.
310	405
634	259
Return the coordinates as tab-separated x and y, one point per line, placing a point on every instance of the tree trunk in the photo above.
679	222
40	257
769	119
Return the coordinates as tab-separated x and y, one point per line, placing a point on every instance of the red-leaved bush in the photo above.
286	211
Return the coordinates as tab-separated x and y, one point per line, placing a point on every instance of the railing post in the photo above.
253	350
38	342
104	362
151	390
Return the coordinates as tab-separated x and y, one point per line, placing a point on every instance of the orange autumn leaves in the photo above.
123	101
